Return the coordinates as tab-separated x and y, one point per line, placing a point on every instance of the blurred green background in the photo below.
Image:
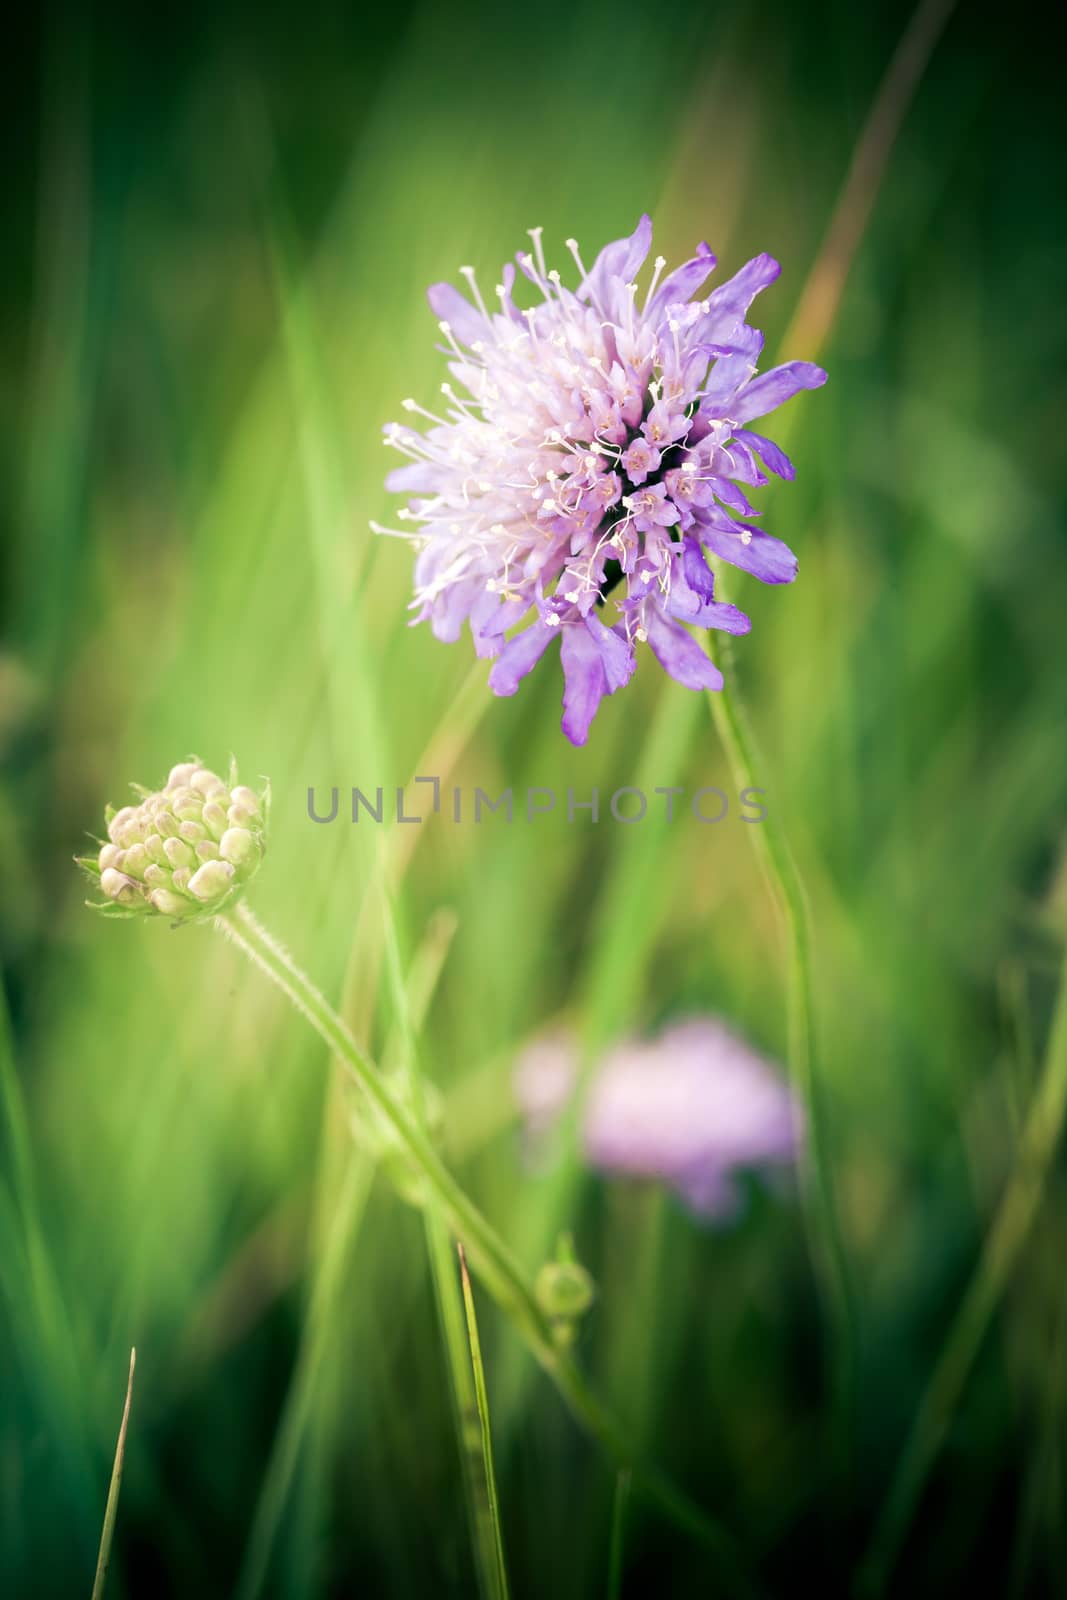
220	228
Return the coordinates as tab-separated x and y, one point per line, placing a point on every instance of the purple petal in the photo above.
733	499
490	619
418	477
510	612
709	1192
696	572
727	618
733	298
682	284
615	651
728	374
771	454
737	461
692	588
771	389
450	609
678	653
766	558
585	681
448	305
621	259
507	303
519	656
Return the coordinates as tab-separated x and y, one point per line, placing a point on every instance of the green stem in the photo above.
776	859
495	1263
489	1255
1018	1207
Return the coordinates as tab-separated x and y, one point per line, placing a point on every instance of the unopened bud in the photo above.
239	846
564	1290
211	881
184	852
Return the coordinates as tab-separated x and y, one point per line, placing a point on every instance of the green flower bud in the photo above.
564	1291
184	852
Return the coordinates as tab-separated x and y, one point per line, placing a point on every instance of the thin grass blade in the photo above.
485	1431
112	1509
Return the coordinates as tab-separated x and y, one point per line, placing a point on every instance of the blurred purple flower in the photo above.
602	443
693	1107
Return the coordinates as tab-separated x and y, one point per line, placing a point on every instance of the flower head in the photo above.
184	852
693	1107
594	450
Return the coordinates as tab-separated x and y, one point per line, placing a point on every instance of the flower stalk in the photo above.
489	1256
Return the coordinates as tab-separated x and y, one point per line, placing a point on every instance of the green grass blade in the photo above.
783	878
1006	1237
112	1508
486	1438
450	1310
314	1348
620	1503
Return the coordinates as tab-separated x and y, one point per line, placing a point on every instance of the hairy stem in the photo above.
489	1256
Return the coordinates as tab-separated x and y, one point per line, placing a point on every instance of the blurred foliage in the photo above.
220	229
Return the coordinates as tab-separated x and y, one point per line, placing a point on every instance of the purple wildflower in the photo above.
596	442
693	1107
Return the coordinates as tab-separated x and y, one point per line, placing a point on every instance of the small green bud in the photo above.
564	1290
164	855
